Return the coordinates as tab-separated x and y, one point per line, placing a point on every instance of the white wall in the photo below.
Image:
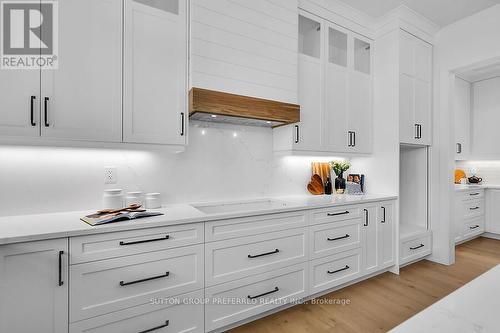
221	162
468	41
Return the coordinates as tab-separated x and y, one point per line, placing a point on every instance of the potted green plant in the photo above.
339	167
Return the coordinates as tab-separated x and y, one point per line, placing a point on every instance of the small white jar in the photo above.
112	199
134	198
153	200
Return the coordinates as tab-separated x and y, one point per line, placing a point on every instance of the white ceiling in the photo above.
441	12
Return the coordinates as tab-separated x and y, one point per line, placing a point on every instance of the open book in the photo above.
97	219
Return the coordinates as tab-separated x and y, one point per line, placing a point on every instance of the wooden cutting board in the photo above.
322	169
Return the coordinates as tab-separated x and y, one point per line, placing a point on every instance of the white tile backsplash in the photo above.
488	170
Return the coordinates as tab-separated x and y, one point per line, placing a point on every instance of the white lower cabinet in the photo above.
469	216
415	248
198	277
106	286
493	211
241	299
182	313
335	270
34	287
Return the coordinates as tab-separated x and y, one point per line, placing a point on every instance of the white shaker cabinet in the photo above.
379	237
82	99
19	98
462	109
155	72
34	287
415	96
335	91
493	211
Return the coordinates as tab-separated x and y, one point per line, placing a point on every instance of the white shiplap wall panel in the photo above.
245	47
251	46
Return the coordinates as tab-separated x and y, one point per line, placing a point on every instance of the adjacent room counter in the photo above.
472	308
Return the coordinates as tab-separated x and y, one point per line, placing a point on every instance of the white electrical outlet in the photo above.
110	175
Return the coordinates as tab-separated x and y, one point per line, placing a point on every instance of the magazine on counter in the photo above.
97	219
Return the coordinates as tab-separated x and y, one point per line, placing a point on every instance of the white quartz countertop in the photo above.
23	228
459	187
472	308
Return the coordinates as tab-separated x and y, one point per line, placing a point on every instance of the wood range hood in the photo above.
216	106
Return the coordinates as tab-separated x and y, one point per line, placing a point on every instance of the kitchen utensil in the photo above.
128	208
475	180
315	186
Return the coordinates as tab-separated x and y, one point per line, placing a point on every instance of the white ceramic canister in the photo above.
112	199
153	200
134	198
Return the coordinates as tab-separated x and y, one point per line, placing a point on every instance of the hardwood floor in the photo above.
383	302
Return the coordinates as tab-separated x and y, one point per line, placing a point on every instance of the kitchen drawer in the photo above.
247	226
335	270
235	301
332	238
106	286
240	257
119	244
471	195
473	208
183	316
335	214
415	248
473	227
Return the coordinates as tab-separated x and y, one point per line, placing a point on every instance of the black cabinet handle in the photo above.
182	124
338	238
383	215
418	247
145	241
473	227
156	328
473	194
46	111
339	270
297	134
32	111
474	208
144	280
459	148
336	214
416	131
263	254
61	282
354	139
366	218
275	290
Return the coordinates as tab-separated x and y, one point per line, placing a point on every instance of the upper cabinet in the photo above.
82	99
335	91
462	114
155	75
245	48
415	85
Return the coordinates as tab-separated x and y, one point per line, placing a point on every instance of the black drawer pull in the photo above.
339	270
418	247
61	282
383	216
474	193
32	111
156	328
145	241
275	290
366	218
338	238
263	254
474	208
46	111
144	280
473	227
337	214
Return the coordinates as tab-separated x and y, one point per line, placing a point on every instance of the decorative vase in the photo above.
340	183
